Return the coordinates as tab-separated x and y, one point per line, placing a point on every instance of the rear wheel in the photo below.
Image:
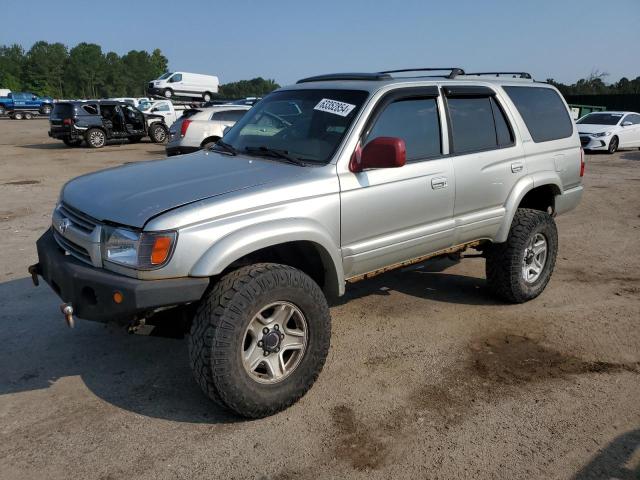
260	338
18	116
158	133
206	96
95	138
46	109
519	269
2	110
28	116
613	145
209	143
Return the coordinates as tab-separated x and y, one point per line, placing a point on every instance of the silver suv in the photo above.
327	182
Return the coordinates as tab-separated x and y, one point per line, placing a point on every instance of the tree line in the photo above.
595	84
85	71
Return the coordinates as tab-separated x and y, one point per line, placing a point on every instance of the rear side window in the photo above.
543	111
478	123
416	121
228	115
90	109
62	110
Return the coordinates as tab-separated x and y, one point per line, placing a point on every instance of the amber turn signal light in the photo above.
161	249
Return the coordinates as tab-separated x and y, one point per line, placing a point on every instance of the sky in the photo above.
287	40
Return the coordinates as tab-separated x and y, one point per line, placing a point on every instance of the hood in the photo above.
586	128
150	116
132	194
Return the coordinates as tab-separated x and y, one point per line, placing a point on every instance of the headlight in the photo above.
601	134
141	250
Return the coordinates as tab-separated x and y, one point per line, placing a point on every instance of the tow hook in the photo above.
34	270
67	311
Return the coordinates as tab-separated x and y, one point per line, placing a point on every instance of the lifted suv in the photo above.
95	122
326	182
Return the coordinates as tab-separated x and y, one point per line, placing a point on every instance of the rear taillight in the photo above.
184	126
582	162
67	121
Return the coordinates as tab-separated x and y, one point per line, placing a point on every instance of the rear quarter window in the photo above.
543	112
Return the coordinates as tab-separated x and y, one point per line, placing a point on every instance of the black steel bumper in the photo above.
90	290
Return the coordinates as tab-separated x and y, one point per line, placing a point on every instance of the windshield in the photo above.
144	106
165	76
305	124
600	119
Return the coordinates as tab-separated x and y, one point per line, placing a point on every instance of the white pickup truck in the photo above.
166	108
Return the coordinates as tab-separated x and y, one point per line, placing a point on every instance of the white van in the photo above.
185	84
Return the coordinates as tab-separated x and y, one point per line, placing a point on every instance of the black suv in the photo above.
97	121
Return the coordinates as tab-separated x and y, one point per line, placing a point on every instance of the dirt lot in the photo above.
428	376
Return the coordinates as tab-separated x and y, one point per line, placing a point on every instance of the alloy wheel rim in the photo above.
97	138
274	342
160	135
534	258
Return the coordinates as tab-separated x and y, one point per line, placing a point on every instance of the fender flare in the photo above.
521	188
267	234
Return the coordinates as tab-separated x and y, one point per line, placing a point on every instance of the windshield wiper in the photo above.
283	154
226	147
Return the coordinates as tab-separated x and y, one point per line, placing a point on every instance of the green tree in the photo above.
43	69
84	71
256	87
11	63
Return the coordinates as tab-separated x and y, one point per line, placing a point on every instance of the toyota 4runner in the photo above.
326	182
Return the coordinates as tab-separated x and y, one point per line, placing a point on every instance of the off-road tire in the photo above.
72	143
158	133
614	143
505	260
217	333
93	136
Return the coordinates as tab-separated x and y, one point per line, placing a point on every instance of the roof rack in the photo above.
346	76
497	74
453	71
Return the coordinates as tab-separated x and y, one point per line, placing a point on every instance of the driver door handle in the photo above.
439	182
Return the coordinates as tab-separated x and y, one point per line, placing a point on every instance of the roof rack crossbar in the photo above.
453	71
497	74
346	76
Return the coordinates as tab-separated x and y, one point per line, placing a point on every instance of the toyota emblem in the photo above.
64	224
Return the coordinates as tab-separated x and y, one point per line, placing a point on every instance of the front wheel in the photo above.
260	338
158	133
519	269
613	145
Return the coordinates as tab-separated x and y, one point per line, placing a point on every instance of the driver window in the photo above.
176	78
414	120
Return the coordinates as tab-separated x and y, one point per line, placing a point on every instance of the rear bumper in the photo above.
65	132
90	290
568	200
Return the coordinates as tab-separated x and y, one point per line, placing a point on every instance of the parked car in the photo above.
377	171
609	131
135	101
202	128
185	84
96	121
26	102
165	108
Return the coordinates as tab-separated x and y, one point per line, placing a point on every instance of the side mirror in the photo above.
626	124
381	152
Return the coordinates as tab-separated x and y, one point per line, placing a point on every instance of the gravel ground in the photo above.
428	376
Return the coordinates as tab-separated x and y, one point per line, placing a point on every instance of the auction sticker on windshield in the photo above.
334	106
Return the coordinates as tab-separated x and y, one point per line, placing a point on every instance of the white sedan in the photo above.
609	131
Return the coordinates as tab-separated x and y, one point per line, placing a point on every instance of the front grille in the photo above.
78	234
150	85
80	220
76	250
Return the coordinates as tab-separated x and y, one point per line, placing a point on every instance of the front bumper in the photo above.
90	290
594	143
